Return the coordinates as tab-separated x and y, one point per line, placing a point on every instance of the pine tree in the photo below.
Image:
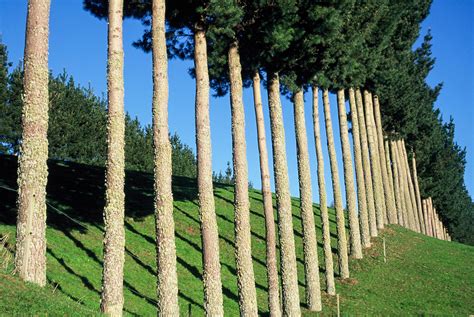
114	211
271	257
340	219
30	256
311	263
167	285
328	260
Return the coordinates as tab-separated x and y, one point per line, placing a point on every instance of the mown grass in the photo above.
422	275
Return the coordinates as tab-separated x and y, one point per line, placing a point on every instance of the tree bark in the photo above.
361	193
418	196
243	246
356	246
427	217
114	240
289	276
391	182
328	260
396	184
340	221
389	199
409	216
30	256
418	213
369	188
375	161
167	286
213	302
271	258
310	246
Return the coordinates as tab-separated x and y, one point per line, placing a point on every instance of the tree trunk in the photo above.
328	260
167	286
213	302
356	247
30	256
410	186
289	276
389	199
418	196
409	216
310	246
391	182
374	159
418	212
427	218
341	228
243	247
396	184
271	259
361	193
114	240
369	189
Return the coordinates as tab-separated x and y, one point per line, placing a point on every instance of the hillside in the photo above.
422	275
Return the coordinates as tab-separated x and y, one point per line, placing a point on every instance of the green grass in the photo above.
422	275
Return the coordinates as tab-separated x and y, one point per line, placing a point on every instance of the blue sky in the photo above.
78	44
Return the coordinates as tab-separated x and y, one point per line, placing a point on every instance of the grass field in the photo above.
422	275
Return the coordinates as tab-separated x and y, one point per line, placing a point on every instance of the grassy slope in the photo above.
421	275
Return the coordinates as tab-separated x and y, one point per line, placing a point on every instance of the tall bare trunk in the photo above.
30	256
356	247
328	260
403	213
391	183
310	246
361	193
271	260
389	199
340	221
289	274
410	186
427	218
396	183
114	240
167	286
418	196
418	212
243	247
375	161
410	208
213	304
368	179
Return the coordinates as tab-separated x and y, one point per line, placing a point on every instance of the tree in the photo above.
167	285
328	260
114	239
271	257
30	256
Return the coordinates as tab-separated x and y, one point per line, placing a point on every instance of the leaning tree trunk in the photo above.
213	304
418	212
409	215
340	221
418	196
30	256
289	274
328	260
391	182
310	246
410	187
361	193
356	247
243	247
374	159
114	211
167	286
271	259
427	218
368	179
389	199
396	182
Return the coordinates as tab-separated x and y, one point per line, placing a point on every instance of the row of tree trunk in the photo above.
387	188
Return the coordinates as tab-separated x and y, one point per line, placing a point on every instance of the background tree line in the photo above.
77	126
